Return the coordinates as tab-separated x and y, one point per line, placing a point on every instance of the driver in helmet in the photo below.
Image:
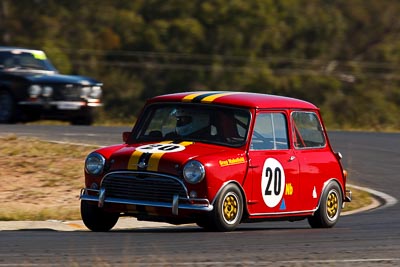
193	123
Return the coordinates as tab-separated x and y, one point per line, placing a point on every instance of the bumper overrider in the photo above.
145	189
348	196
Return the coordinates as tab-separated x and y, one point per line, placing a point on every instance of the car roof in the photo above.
239	99
20	49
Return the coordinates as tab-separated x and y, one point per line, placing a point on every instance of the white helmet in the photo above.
188	121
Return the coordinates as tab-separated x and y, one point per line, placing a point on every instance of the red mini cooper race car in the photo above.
217	159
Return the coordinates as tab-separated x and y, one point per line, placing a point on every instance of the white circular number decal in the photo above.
272	182
160	148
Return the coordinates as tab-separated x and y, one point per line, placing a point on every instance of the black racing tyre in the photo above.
228	210
329	209
96	219
7	107
205	223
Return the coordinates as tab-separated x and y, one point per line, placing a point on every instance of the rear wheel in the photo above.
7	107
329	209
96	219
228	209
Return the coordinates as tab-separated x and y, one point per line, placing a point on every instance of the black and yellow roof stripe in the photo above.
205	97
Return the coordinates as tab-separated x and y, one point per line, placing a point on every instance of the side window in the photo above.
270	132
242	124
307	130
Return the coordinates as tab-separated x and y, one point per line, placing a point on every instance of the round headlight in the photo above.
94	163
85	91
193	172
35	90
47	91
95	92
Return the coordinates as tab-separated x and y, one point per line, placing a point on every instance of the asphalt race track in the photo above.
365	239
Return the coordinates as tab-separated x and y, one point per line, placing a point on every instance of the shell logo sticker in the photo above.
272	182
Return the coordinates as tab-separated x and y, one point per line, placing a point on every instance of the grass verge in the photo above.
359	199
41	180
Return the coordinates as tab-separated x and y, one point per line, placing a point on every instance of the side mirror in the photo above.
125	136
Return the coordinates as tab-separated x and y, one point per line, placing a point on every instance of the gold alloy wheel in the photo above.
332	204
230	208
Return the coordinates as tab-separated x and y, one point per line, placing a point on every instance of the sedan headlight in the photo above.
95	92
35	90
91	92
193	172
47	91
85	91
94	163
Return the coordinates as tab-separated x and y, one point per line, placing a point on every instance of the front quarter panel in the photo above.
222	169
106	153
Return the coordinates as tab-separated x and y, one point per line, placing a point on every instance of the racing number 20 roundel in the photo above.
160	148
272	182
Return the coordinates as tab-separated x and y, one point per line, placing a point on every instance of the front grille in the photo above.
143	187
67	92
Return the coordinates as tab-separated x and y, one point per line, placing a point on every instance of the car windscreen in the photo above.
191	122
25	61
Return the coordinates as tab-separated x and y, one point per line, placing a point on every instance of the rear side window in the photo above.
270	132
307	130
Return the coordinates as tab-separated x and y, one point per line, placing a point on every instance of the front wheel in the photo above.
7	107
329	209
228	209
96	219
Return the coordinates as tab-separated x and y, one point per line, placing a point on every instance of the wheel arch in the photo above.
245	210
326	183
12	93
11	113
7	89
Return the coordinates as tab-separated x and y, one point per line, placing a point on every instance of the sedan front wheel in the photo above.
7	107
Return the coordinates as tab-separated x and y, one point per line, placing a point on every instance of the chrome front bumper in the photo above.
62	105
175	205
347	198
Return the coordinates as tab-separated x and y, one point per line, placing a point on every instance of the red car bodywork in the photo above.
285	182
